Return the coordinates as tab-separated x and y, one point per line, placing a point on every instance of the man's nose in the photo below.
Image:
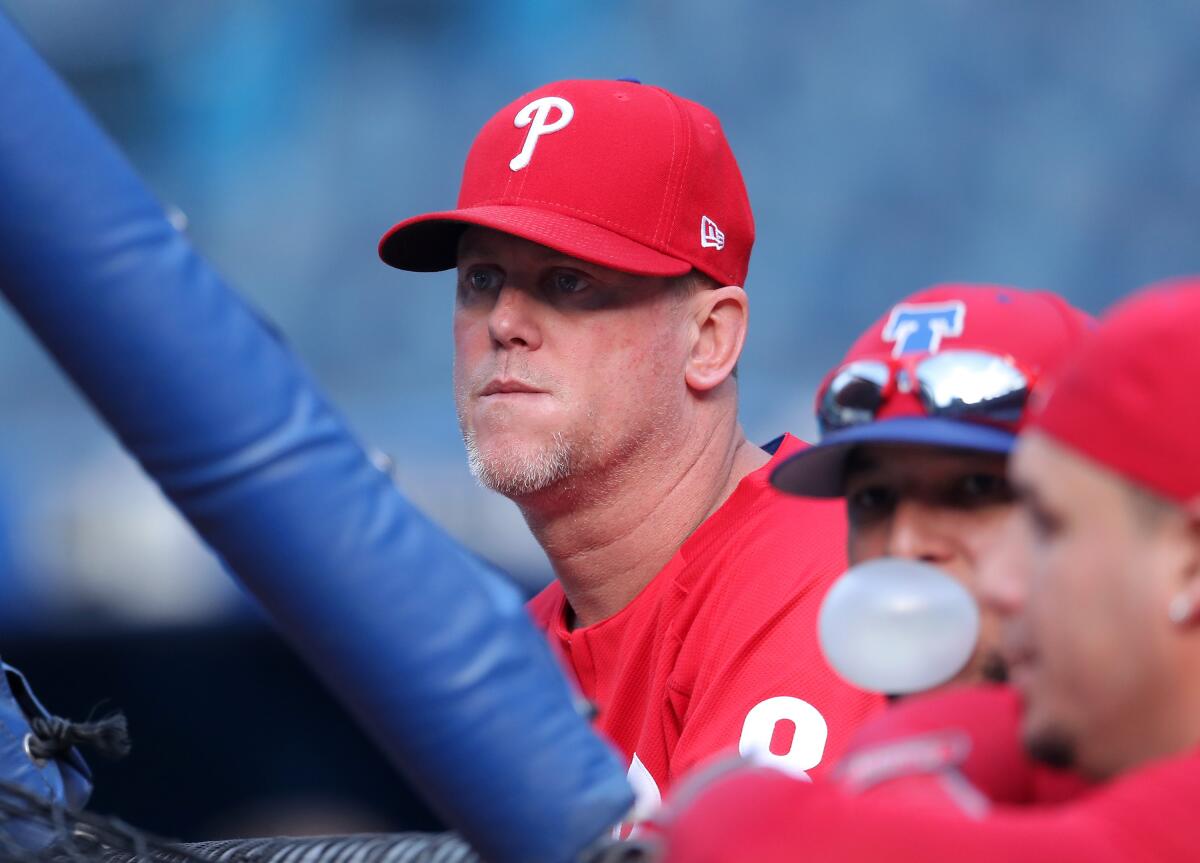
1003	573
514	320
917	532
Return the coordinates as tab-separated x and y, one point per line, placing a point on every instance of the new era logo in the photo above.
711	237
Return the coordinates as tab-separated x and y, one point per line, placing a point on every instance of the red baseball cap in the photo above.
617	173
1128	401
1034	331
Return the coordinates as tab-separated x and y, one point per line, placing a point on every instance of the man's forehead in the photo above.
1046	471
1025	466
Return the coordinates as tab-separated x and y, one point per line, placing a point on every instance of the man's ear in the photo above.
1184	609
720	317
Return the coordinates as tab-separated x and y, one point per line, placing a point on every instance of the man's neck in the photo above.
608	540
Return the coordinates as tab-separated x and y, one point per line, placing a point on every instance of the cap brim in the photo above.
429	243
820	470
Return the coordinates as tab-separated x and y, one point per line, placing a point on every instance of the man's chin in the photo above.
1050	745
994	669
517	472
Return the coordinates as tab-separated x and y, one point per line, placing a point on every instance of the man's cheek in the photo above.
1052	563
472	340
1066	621
863	544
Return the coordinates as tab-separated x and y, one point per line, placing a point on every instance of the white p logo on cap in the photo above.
534	116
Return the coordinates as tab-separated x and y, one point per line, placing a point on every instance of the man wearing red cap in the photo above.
601	242
1106	652
917	423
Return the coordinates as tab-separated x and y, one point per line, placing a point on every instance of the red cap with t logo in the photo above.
616	173
999	342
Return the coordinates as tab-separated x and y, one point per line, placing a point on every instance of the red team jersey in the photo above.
719	652
920	746
1145	816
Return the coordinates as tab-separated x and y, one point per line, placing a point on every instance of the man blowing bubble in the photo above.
1105	649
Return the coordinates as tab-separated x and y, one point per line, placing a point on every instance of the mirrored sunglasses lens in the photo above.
854	395
972	385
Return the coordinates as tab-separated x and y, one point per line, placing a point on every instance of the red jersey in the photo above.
923	744
762	815
719	651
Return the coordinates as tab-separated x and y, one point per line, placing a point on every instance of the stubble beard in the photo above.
524	472
521	470
558	462
994	669
1052	747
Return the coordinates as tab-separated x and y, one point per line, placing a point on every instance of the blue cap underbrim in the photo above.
820	470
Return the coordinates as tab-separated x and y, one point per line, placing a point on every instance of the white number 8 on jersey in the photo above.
776	716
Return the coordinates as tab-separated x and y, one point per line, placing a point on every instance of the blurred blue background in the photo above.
885	145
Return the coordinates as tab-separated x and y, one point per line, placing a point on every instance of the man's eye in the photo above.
568	283
982	489
1043	524
870	502
480	280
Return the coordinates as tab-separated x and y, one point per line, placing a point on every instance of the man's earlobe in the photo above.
1184	608
721	317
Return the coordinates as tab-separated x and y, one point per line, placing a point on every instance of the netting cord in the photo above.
53	736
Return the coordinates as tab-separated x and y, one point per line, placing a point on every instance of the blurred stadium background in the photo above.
885	145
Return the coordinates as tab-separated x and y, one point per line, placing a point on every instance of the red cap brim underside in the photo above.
429	243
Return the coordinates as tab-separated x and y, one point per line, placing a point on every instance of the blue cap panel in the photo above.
819	470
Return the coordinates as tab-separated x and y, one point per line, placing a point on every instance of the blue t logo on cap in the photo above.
920	327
